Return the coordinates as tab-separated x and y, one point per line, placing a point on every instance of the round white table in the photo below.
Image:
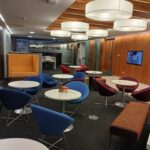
124	84
62	77
22	84
74	67
21	144
91	74
63	96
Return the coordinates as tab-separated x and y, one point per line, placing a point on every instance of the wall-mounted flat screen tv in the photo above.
135	57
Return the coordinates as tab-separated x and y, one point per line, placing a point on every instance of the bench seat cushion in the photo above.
130	122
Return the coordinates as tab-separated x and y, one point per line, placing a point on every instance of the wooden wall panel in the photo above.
91	54
122	45
106	55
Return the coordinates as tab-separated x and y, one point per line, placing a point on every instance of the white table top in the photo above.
62	76
124	82
92	72
23	84
21	144
63	96
74	67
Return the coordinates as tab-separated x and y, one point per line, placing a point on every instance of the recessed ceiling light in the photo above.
29	36
32	32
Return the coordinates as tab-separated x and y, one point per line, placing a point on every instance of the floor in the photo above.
87	134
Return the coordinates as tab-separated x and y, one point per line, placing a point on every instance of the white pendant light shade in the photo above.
60	33
79	37
97	33
74	26
130	25
108	10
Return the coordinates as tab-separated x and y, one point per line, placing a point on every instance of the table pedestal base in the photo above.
120	104
26	110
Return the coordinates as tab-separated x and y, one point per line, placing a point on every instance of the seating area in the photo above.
75	75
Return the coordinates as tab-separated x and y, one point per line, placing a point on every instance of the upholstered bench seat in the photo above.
130	122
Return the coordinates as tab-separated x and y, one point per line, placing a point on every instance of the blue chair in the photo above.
82	88
48	81
35	90
51	123
12	100
78	76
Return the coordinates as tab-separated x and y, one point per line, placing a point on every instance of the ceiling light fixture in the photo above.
130	25
97	33
32	32
77	37
60	33
75	26
7	27
106	10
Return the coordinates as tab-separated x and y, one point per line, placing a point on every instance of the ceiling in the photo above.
24	16
76	12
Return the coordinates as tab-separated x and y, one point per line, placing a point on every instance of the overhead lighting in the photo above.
7	27
108	10
97	33
60	33
77	37
2	18
130	25
32	32
75	26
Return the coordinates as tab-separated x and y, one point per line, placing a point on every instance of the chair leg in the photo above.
36	99
14	119
50	145
75	112
66	142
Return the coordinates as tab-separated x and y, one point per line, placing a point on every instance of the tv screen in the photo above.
135	57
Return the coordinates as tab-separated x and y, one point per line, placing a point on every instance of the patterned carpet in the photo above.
87	134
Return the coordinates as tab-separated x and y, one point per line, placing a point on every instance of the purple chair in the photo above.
128	89
142	95
105	90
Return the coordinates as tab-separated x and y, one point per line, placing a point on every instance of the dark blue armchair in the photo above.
51	123
48	81
35	90
12	100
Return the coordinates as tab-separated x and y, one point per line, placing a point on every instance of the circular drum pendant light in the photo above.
60	33
130	25
79	37
108	10
75	26
97	33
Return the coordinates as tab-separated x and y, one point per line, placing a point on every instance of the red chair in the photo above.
64	69
105	90
83	68
128	89
142	95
